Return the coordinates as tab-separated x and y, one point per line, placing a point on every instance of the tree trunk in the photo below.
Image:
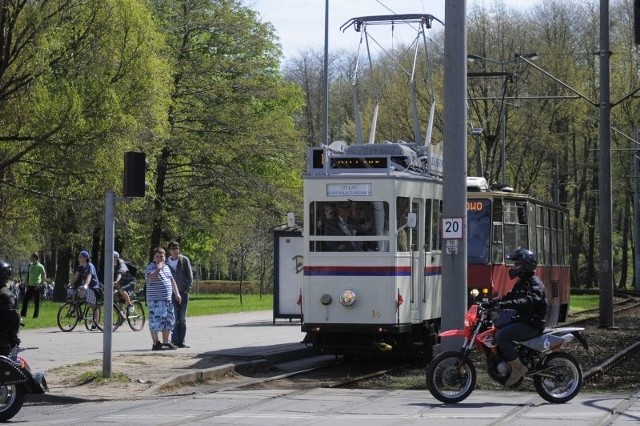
158	221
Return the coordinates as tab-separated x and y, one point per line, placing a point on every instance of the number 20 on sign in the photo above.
452	228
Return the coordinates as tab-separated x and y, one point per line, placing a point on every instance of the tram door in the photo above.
417	261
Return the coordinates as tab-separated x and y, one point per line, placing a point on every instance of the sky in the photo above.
300	23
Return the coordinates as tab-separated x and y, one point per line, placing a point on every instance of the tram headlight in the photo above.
475	292
325	299
348	297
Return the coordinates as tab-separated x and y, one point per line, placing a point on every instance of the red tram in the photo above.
501	221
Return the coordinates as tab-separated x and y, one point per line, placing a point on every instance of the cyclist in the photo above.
87	278
123	280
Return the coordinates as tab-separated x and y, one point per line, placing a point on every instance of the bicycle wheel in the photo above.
116	320
91	317
136	318
68	316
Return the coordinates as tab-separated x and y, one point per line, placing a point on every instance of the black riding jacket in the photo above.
528	297
9	320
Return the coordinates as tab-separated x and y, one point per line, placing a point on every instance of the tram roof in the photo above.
383	159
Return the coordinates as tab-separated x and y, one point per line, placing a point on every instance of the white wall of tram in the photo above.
421	291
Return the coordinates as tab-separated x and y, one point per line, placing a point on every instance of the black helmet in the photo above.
524	263
5	272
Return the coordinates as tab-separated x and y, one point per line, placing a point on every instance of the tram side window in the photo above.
427	225
533	244
497	251
563	233
540	231
515	226
361	220
402	209
436	236
554	236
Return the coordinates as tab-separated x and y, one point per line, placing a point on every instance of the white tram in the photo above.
372	258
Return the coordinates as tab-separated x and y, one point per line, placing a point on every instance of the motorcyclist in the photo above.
528	298
9	316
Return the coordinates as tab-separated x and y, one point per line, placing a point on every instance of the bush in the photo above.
226	287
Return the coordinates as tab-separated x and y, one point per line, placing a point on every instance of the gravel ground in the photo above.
603	344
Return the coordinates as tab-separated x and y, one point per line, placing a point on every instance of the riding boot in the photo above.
518	369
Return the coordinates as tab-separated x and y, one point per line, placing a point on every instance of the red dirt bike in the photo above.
557	375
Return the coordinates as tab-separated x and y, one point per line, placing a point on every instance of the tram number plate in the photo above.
452	228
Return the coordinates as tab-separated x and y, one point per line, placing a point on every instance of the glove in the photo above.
486	306
491	304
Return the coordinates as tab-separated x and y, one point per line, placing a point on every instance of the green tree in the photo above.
232	149
80	83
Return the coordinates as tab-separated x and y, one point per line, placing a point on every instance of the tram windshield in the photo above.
349	226
479	230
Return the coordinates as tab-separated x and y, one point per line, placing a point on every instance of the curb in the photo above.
218	371
191	376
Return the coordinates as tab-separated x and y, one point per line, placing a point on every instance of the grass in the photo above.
209	304
583	302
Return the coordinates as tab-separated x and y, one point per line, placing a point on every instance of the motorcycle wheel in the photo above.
451	377
11	400
560	379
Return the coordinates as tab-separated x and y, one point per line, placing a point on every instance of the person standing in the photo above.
36	276
183	275
160	288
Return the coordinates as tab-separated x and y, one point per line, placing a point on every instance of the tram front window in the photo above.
479	231
357	226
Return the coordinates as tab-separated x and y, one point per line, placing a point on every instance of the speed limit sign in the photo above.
452	228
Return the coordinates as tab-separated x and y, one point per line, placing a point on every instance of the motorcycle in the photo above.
556	375
17	380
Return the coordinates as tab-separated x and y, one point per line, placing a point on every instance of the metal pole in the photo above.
604	184
325	107
109	232
454	259
636	211
503	131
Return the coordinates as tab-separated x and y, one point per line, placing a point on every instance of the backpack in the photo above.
132	271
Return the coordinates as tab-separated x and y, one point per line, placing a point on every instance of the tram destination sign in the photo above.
348	189
359	162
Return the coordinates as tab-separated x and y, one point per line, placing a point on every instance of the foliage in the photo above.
193	84
550	107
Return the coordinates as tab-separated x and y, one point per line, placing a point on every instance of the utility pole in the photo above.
635	154
454	257
605	278
325	101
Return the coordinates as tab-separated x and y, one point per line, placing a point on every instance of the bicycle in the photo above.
76	309
135	318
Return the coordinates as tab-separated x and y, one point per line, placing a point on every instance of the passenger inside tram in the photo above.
342	225
355	218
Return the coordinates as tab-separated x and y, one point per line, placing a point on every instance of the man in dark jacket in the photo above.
183	275
528	298
9	316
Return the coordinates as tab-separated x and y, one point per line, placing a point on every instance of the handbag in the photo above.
504	317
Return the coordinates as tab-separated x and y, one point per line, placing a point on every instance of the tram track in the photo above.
361	374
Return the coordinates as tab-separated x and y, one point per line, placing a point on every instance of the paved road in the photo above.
318	406
254	334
